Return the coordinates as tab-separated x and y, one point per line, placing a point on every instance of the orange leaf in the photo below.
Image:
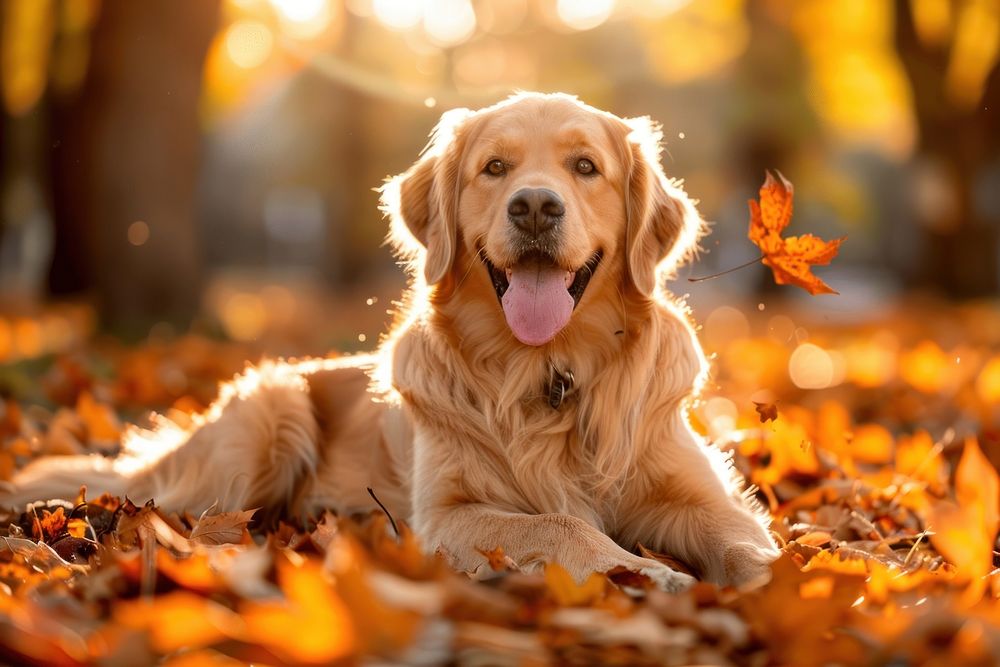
791	258
567	592
312	624
50	524
102	423
816	538
497	559
179	620
964	530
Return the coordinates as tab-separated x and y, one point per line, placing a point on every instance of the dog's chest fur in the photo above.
519	453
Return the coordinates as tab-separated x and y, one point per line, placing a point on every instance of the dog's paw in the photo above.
748	565
665	578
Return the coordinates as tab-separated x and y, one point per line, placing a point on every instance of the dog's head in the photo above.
546	198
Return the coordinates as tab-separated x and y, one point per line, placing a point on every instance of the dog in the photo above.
532	394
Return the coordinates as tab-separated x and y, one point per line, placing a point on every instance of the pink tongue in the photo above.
537	304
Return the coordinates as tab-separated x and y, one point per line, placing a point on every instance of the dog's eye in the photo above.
496	168
585	166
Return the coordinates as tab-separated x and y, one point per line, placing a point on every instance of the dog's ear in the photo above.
663	226
422	202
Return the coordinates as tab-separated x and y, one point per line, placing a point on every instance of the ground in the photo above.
874	445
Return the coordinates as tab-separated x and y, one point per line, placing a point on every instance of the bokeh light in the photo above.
811	367
138	233
304	19
988	382
449	22
398	14
249	43
723	325
584	14
244	317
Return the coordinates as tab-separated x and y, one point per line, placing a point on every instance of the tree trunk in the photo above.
960	260
126	150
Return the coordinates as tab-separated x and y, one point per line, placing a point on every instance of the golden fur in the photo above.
449	421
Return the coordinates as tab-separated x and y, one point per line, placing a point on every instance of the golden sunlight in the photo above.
249	43
398	14
303	19
584	14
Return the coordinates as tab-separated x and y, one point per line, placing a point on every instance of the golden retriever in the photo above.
533	394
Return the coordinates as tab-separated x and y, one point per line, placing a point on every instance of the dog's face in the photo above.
544	196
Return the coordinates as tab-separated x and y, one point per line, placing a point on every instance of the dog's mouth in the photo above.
537	295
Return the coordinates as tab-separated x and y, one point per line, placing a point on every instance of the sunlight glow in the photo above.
811	367
720	415
303	19
249	43
988	382
449	22
302	11
656	8
584	14
244	317
398	14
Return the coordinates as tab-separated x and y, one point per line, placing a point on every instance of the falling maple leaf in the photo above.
766	411
790	258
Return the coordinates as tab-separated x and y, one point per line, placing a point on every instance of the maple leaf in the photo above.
497	559
766	411
790	258
567	592
48	526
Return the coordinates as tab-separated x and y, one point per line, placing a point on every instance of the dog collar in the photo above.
561	385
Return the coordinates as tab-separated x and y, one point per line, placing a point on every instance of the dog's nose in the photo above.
535	210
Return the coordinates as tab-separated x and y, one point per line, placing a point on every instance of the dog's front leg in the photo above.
700	516
465	532
464	506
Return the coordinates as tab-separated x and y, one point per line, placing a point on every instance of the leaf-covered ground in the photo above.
879	470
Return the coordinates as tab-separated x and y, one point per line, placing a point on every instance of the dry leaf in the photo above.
497	559
964	531
790	258
50	524
101	421
179	620
567	593
766	411
224	528
311	625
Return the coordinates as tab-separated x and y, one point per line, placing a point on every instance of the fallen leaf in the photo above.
567	593
179	620
311	625
224	528
790	258
816	538
76	550
497	559
964	531
324	532
100	419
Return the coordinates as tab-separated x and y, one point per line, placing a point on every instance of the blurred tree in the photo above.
956	94
773	120
124	162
